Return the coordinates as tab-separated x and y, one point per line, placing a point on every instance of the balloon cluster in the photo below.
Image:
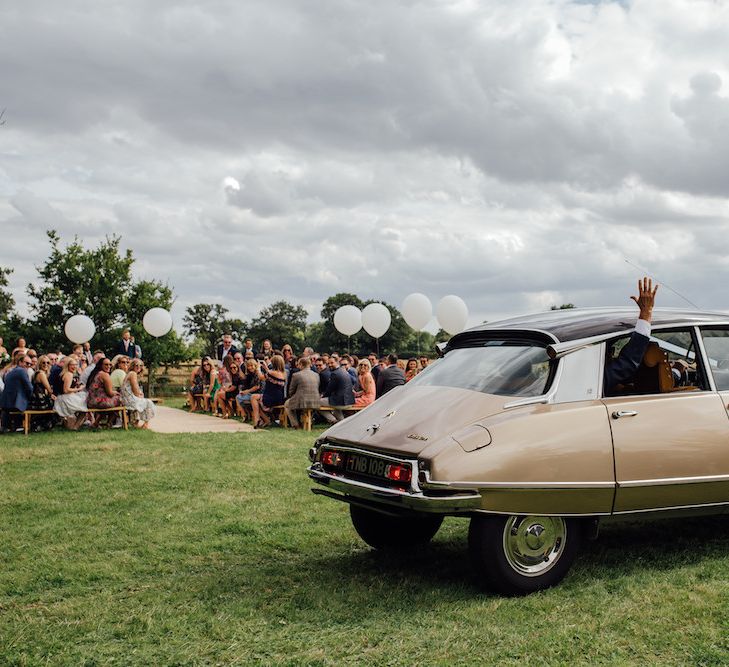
417	311
80	328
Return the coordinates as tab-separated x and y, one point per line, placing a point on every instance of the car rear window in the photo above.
503	367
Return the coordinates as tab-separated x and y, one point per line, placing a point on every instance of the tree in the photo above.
75	280
564	306
282	322
7	302
207	322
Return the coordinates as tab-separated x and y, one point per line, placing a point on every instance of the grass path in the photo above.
141	548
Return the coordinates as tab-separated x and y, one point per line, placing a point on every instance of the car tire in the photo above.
384	531
518	555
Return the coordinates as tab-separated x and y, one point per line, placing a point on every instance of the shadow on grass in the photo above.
359	582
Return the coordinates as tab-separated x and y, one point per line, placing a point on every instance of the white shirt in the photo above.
643	327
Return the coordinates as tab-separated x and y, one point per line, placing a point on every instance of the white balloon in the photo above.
452	314
376	319
417	310
157	322
348	320
79	329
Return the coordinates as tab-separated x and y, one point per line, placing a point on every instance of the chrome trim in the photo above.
669	508
432	484
704	358
617	414
668	481
396	497
535	400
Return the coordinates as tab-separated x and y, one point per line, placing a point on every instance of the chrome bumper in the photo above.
414	500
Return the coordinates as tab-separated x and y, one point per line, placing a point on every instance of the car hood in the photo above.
416	420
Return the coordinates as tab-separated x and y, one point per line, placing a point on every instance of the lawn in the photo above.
136	548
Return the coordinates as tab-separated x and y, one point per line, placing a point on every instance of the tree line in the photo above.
99	283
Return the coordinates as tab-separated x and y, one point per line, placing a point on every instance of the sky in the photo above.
515	154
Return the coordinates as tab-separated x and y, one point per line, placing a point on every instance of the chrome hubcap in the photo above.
533	544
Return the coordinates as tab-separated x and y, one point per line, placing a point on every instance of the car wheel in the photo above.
383	531
517	555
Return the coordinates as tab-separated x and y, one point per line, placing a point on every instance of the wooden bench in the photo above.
27	414
307	414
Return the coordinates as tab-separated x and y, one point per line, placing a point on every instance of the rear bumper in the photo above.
414	499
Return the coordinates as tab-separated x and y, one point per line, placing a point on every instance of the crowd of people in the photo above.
71	384
249	383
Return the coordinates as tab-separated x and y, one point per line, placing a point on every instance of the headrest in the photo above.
653	355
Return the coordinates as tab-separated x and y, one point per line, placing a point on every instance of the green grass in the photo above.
139	548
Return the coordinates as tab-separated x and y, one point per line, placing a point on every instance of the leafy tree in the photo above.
75	280
282	322
564	306
7	302
207	322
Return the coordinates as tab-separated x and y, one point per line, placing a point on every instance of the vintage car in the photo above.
514	428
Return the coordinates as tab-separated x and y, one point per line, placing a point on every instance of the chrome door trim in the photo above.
704	358
670	481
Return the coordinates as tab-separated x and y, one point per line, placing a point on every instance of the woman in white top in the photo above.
133	397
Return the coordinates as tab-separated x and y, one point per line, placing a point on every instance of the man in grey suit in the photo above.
17	391
303	391
390	377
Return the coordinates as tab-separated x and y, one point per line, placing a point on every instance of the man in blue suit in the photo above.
17	392
338	392
623	369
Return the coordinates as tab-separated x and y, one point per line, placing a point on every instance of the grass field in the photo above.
144	549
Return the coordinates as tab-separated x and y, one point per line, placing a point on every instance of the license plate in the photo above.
360	464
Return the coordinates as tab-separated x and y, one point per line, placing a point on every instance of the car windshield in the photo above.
504	367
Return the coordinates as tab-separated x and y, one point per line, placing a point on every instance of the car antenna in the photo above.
661	282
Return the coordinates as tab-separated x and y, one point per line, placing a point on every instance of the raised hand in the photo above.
646	298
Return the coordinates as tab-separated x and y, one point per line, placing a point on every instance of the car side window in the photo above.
716	343
669	365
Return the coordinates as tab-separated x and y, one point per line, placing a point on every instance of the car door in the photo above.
671	449
716	344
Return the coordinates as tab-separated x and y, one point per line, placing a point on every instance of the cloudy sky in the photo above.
513	153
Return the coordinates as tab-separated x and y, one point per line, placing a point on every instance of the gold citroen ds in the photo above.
513	428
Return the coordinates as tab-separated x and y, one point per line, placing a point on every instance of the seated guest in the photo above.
411	369
303	392
17	391
226	347
339	391
324	374
346	363
120	366
43	396
231	379
200	385
101	393
70	404
252	379
273	391
366	382
85	373
132	396
126	345
390	377
374	365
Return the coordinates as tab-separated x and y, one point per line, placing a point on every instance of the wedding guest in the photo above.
120	366
252	379
303	392
86	351
200	385
368	387
346	363
125	345
267	348
43	395
85	373
17	392
4	356
226	347
411	369
390	377
324	374
273	391
132	396
101	393
231	379
70	405
339	391
424	361
248	347
20	347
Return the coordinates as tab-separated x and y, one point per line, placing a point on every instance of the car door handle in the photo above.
624	413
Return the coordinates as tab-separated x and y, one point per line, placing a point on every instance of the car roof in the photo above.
576	323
